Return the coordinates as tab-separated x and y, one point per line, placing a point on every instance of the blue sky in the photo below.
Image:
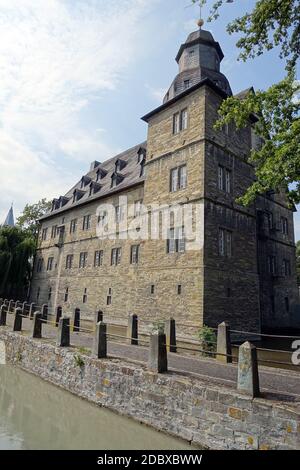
77	75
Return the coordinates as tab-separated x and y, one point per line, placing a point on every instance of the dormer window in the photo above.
141	154
85	180
186	84
62	201
119	165
100	174
77	194
116	179
94	188
55	204
142	171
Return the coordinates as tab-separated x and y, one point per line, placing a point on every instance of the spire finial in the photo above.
200	22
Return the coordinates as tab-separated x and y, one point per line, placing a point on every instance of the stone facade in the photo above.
243	271
209	416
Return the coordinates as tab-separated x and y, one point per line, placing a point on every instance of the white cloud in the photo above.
56	57
156	93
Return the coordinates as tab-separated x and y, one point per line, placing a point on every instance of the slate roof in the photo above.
131	174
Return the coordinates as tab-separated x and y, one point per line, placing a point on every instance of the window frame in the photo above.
69	261
134	254
83	256
98	258
86	222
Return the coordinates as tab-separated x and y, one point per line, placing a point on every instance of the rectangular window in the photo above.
54	231
176	119
83	259
178	178
179	289
44	234
284	225
272	264
173	180
84	298
73	226
228	181
69	261
138	208
183	119
152	289
221	178
176	240
98	259
86	225
270	220
50	264
66	294
119	214
225	243
39	266
50	293
228	244
102	218
109	297
116	256
182	177
221	242
224	179
134	254
186	84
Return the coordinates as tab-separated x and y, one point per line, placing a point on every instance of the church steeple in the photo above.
198	58
9	221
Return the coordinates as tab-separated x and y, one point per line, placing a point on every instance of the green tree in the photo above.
298	261
272	23
29	219
17	248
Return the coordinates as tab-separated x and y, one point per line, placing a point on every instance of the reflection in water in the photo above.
37	415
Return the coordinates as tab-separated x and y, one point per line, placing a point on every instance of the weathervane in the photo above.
200	22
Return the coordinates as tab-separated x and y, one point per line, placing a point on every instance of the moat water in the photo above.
37	415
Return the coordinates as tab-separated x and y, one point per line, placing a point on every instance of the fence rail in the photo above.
160	342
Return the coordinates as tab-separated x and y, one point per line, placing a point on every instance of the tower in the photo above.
9	221
198	58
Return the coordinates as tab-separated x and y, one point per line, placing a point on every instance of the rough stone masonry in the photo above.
206	415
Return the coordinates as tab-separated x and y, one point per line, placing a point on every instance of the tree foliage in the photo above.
16	251
30	216
272	23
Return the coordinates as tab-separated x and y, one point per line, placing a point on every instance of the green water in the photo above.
37	415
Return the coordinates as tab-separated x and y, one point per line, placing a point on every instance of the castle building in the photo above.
242	268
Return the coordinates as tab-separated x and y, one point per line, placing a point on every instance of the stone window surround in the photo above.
134	254
73	225
98	258
225	242
69	261
180	121
224	179
44	233
83	259
86	222
176	240
116	254
50	263
181	178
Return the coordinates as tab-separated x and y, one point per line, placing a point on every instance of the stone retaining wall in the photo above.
206	415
